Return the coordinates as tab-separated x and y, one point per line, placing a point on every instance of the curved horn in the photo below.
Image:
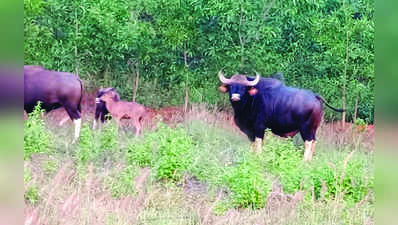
223	79
255	81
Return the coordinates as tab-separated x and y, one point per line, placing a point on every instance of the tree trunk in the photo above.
76	33
186	99
137	79
343	119
356	107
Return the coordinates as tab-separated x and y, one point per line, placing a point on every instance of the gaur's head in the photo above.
238	87
103	91
109	96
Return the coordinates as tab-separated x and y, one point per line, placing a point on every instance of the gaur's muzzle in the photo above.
235	97
97	100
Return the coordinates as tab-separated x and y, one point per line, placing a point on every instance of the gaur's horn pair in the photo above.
225	80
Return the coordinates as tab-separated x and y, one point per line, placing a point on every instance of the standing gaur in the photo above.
54	90
100	107
261	103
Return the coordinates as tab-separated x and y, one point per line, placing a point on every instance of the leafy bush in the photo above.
94	147
285	161
248	184
37	138
353	181
108	137
172	155
141	152
166	150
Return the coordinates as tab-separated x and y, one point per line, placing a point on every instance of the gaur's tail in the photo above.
327	104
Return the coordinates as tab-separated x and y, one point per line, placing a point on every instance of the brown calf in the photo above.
124	110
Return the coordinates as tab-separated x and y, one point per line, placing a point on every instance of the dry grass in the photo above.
67	198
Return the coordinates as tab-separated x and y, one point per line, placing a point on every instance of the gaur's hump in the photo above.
279	76
267	83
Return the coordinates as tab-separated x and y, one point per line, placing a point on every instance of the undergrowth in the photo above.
37	138
166	150
214	156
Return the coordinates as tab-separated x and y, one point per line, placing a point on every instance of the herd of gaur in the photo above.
258	104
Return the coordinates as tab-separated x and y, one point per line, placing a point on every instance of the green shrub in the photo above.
285	161
359	122
352	181
248	184
94	146
32	195
108	137
37	139
141	152
87	145
167	150
172	155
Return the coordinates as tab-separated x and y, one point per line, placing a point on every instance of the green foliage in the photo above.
284	159
172	157
328	177
32	195
215	150
359	122
37	138
87	145
353	181
248	184
174	45
166	150
108	138
141	152
95	147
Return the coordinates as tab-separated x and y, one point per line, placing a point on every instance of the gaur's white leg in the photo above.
258	142
313	148
63	121
137	126
78	123
308	150
94	124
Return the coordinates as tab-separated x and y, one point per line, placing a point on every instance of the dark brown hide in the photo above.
100	106
53	89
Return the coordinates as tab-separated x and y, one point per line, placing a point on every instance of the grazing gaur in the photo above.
261	103
124	110
100	108
54	90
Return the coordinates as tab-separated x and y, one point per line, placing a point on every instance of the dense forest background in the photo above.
168	52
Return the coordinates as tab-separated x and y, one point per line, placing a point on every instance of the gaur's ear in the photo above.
223	88
253	91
